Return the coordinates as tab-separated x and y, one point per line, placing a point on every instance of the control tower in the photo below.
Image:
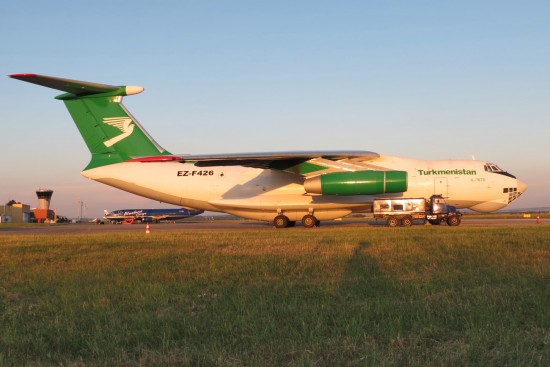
44	197
43	212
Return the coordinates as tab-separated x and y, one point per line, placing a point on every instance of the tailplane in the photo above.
111	133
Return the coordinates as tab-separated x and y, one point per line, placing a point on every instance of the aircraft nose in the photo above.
521	186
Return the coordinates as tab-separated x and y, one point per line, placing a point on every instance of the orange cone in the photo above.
147	231
538	219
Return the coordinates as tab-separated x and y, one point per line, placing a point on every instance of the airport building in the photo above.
43	212
16	213
22	213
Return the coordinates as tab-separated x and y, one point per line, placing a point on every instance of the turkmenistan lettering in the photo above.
434	172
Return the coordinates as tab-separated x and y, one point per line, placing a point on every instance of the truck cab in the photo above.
438	211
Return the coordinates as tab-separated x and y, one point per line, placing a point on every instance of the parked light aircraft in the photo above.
149	215
283	187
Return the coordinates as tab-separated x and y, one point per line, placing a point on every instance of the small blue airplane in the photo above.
149	215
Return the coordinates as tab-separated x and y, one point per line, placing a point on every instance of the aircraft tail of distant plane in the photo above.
111	133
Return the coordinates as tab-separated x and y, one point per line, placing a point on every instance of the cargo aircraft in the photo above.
149	215
283	187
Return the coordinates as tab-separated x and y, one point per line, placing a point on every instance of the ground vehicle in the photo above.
405	210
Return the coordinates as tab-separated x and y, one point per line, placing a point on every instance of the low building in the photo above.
44	215
16	213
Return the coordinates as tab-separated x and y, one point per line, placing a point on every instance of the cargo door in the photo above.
441	186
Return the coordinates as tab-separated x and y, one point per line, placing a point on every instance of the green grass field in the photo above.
418	296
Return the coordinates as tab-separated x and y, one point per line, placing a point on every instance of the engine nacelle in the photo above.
357	183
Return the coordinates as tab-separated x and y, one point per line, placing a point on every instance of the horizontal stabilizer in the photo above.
76	87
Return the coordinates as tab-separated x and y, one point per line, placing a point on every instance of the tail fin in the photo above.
111	133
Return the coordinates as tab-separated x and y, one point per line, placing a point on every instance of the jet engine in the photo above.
357	183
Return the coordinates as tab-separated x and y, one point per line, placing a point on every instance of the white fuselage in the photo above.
263	193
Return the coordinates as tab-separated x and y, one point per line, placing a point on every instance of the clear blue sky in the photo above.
421	79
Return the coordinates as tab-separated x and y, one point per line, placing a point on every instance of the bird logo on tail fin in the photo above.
124	124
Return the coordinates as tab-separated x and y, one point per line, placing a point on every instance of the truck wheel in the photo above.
407	221
392	222
309	221
453	220
281	221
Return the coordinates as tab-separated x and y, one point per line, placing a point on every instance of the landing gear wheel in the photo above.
309	221
281	221
407	221
392	222
453	220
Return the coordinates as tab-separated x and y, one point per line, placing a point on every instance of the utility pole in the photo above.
81	206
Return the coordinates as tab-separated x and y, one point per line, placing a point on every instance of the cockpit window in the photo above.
491	167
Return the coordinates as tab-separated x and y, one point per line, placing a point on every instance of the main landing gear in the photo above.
308	221
281	221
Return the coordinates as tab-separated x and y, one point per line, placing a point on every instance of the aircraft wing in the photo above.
303	163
